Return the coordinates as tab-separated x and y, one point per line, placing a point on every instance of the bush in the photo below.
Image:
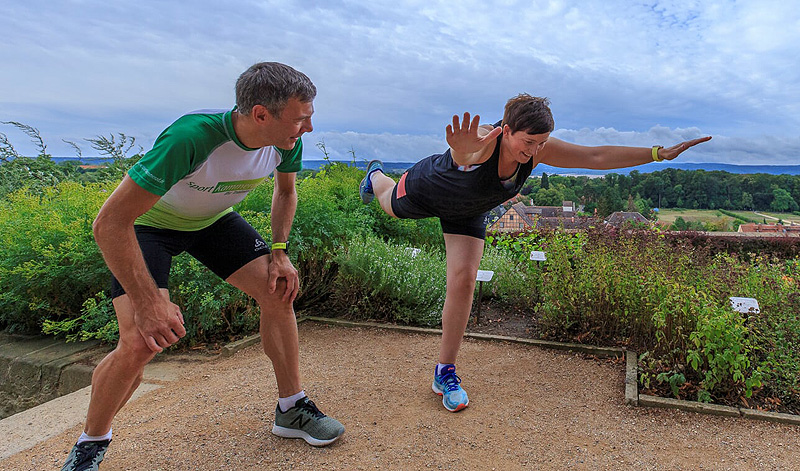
383	281
667	296
50	264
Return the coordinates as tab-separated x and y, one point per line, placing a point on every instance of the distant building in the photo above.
776	229
620	218
521	218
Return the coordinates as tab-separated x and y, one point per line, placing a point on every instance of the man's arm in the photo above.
160	322
558	153
284	205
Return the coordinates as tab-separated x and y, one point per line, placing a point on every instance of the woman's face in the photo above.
523	146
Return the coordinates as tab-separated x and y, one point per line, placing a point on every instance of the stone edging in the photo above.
632	396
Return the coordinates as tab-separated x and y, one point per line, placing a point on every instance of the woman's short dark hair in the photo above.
530	114
271	84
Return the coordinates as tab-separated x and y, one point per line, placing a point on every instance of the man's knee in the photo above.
265	298
134	351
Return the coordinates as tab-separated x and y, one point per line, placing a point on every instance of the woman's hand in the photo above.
669	153
467	140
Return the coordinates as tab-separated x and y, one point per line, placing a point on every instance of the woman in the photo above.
485	166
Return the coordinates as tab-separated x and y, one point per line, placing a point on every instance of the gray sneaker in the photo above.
86	456
305	421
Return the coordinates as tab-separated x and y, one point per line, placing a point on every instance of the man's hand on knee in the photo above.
160	324
281	269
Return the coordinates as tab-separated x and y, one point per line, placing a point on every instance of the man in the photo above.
178	198
485	166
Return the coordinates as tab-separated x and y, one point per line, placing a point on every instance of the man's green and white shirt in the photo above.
200	169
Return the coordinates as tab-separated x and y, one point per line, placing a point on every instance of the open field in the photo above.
702	215
775	217
712	216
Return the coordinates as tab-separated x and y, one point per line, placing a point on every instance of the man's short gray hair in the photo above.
271	84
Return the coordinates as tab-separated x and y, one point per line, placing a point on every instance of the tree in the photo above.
609	202
747	201
548	197
643	206
545	183
631	205
782	201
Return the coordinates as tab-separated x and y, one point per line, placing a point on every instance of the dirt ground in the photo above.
530	408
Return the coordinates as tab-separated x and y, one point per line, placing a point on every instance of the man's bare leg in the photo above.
280	342
278	325
118	375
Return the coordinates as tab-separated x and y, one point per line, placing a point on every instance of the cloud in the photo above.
391	73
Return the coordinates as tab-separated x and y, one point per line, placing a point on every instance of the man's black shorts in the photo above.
224	247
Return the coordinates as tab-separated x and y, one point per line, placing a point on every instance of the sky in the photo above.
391	74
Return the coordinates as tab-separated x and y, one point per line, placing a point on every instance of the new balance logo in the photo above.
300	422
260	245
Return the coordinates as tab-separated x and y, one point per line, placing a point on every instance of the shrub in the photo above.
379	280
50	264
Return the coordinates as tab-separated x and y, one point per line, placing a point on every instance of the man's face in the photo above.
293	122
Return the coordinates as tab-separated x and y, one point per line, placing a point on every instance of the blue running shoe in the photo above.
86	456
448	385
365	188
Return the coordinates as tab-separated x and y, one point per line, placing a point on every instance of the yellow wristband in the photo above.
656	158
279	246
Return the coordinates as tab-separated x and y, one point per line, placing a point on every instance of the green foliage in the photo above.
548	197
97	321
669	298
665	296
212	309
681	224
782	201
722	351
609	202
379	280
671	188
50	264
35	174
737	216
544	183
675	381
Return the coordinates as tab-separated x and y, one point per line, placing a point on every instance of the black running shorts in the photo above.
224	247
472	226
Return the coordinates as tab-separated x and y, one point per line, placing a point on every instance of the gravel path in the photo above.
530	409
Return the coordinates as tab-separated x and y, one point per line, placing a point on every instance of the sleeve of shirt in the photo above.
291	160
167	162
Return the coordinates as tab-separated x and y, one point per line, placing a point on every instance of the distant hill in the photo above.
739	169
399	167
655	167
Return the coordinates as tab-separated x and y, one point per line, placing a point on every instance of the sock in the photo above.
440	367
88	438
286	403
369	178
373	171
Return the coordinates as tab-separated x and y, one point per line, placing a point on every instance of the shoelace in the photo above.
450	381
86	451
310	407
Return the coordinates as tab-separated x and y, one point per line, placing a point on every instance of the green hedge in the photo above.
665	296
